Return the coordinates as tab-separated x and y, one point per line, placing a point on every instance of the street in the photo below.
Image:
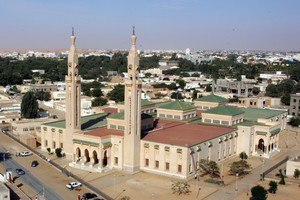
43	179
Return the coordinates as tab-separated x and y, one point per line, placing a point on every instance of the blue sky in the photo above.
160	24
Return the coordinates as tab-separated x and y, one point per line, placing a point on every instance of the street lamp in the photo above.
236	182
262	170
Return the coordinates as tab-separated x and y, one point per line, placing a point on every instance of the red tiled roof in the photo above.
104	131
184	134
110	110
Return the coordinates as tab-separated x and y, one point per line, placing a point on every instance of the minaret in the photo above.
132	134
73	89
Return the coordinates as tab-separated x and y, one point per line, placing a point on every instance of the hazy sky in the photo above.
160	24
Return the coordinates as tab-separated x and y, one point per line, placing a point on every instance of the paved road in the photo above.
44	175
229	192
30	180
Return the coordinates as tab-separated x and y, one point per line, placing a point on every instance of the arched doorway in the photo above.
78	152
86	154
261	145
96	161
104	163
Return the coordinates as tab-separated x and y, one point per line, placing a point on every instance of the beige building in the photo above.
170	141
259	102
210	101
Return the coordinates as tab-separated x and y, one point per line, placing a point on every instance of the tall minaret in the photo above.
132	134
73	89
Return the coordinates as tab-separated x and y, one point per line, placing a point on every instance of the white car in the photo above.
25	153
73	185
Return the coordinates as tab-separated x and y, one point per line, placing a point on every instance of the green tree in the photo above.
58	152
272	91
296	173
243	155
208	88
273	187
285	99
210	167
181	83
96	92
282	176
42	96
147	75
99	101
259	193
181	187
29	106
294	121
256	91
176	95
239	167
117	94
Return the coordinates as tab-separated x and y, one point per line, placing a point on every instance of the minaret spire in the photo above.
132	115
73	89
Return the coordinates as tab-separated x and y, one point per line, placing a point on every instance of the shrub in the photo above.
273	187
58	152
296	173
259	193
181	187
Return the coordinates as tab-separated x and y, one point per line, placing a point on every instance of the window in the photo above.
179	168
46	143
167	149
31	128
156	147
167	166
53	130
60	131
179	151
116	160
61	145
156	164
112	126
170	116
54	145
146	145
147	162
25	129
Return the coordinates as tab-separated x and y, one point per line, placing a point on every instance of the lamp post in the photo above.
236	183
262	170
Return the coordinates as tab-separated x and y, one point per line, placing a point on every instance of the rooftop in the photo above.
104	131
252	114
224	110
212	98
176	105
87	122
184	134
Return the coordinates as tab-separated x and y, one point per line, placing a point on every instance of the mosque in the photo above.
167	138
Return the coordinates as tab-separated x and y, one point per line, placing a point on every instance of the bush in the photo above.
181	187
259	193
273	187
49	150
58	152
296	173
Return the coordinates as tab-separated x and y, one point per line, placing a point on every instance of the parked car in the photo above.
34	163
20	171
88	196
25	153
73	185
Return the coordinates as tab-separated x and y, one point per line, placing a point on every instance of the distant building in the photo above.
238	88
259	102
294	108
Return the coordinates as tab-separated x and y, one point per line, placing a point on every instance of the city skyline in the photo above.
165	24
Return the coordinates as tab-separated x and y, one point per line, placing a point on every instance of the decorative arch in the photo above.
78	152
261	145
104	161
86	155
95	157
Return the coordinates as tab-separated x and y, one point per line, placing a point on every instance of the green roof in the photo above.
212	98
86	142
250	123
224	110
87	122
144	102
252	114
176	105
119	115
